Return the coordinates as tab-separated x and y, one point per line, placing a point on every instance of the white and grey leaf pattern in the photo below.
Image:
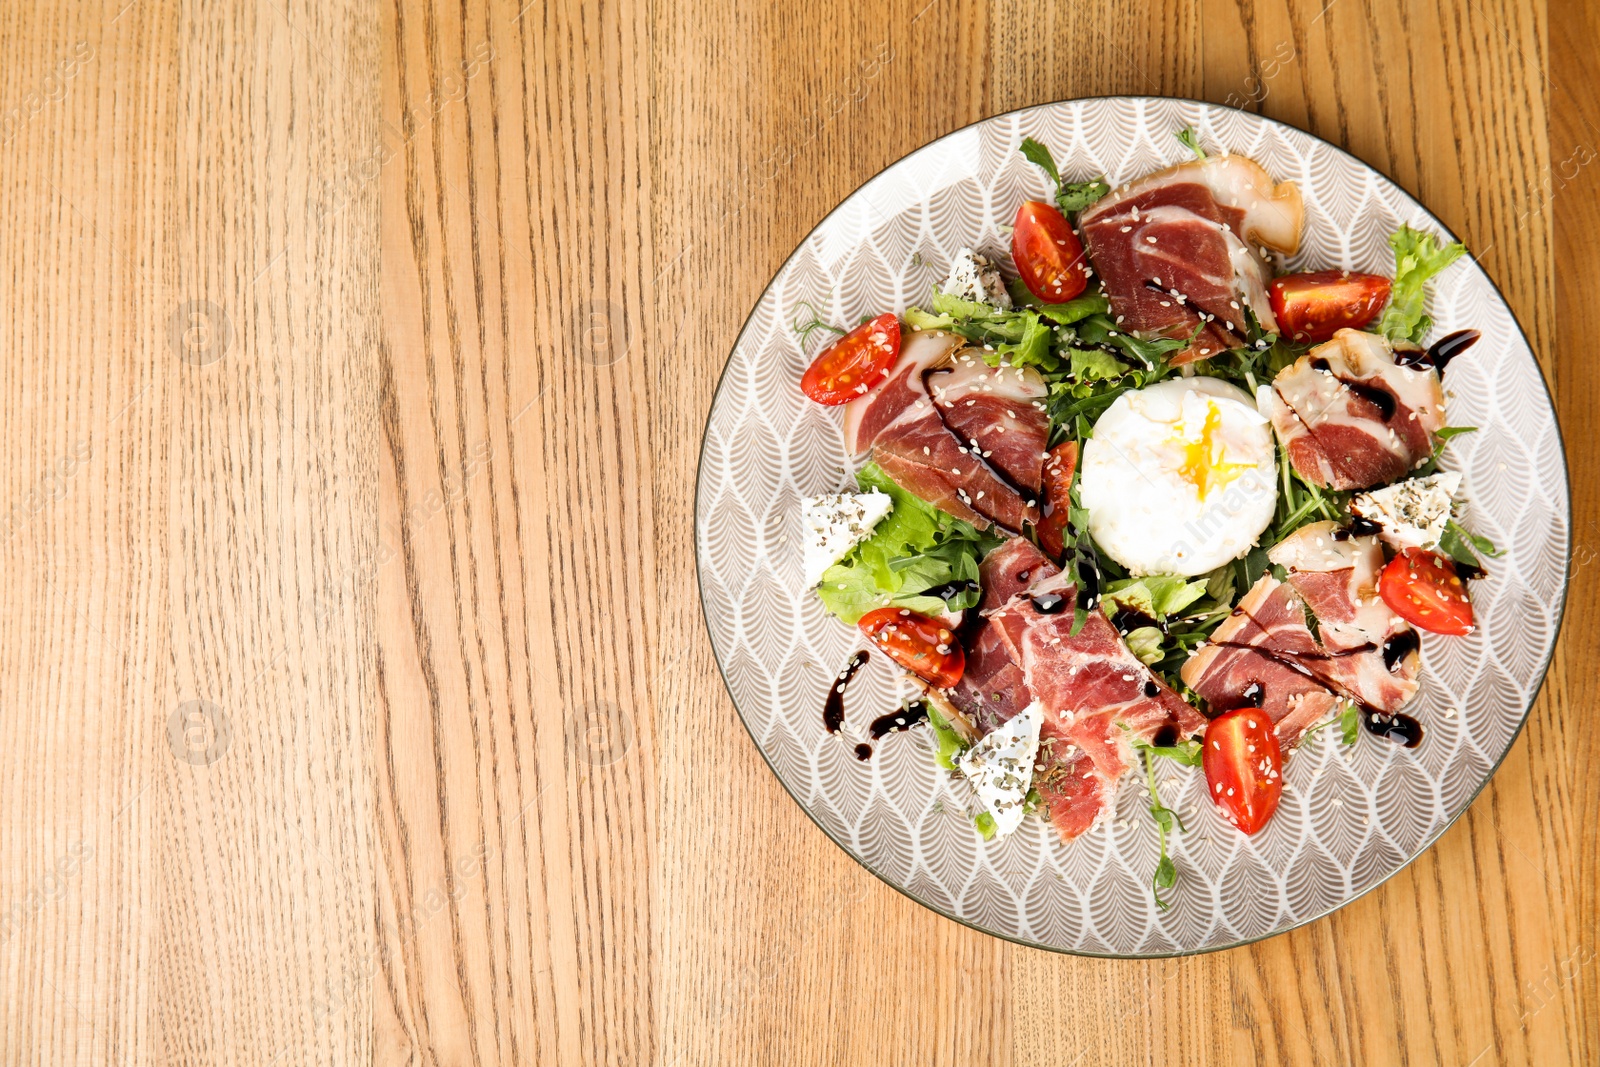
1352	817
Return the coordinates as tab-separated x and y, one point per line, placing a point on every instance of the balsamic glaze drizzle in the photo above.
833	707
1440	353
1399	647
899	719
1049	603
1401	729
1381	399
1378	398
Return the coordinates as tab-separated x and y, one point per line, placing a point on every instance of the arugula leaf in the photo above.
1191	140
1040	156
1418	257
1079	617
1452	544
1312	622
1075	196
1071	197
1482	544
1445	433
1350	724
915	549
1101	330
1463	546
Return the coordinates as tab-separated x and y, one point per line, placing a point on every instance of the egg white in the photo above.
1179	477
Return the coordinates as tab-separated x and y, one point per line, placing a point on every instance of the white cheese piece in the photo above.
973	277
835	524
1412	513
1000	767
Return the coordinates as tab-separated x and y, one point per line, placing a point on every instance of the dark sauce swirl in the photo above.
833	706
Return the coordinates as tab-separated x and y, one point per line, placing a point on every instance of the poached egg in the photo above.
1179	477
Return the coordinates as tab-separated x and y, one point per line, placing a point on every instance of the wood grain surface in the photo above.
354	695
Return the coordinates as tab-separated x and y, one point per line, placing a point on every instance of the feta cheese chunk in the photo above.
835	524
1000	766
1412	513
973	277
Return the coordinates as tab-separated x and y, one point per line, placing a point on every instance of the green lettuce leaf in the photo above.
1155	595
914	550
1096	365
1418	257
1145	643
950	745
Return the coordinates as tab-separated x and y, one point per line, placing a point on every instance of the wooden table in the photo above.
354	694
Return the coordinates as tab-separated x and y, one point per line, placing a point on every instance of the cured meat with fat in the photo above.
1350	417
1096	696
1337	576
1183	250
1228	677
1277	625
992	688
999	411
903	429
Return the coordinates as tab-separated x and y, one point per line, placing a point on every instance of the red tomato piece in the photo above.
1048	255
1424	589
854	363
1058	470
1244	767
925	647
1313	307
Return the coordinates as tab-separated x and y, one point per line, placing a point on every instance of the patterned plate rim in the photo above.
1426	843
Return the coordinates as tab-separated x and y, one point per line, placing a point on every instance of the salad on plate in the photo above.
1137	494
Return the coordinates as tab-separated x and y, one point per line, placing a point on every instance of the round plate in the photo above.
1349	817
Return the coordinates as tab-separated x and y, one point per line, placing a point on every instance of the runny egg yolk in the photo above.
1205	463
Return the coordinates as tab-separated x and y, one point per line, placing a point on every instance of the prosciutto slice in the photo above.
1271	621
1096	696
1228	677
901	426
1350	417
992	688
998	411
1184	249
1337	577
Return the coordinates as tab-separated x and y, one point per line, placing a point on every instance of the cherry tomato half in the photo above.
1047	253
1313	307
854	363
1058	469
1424	589
1244	767
925	647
